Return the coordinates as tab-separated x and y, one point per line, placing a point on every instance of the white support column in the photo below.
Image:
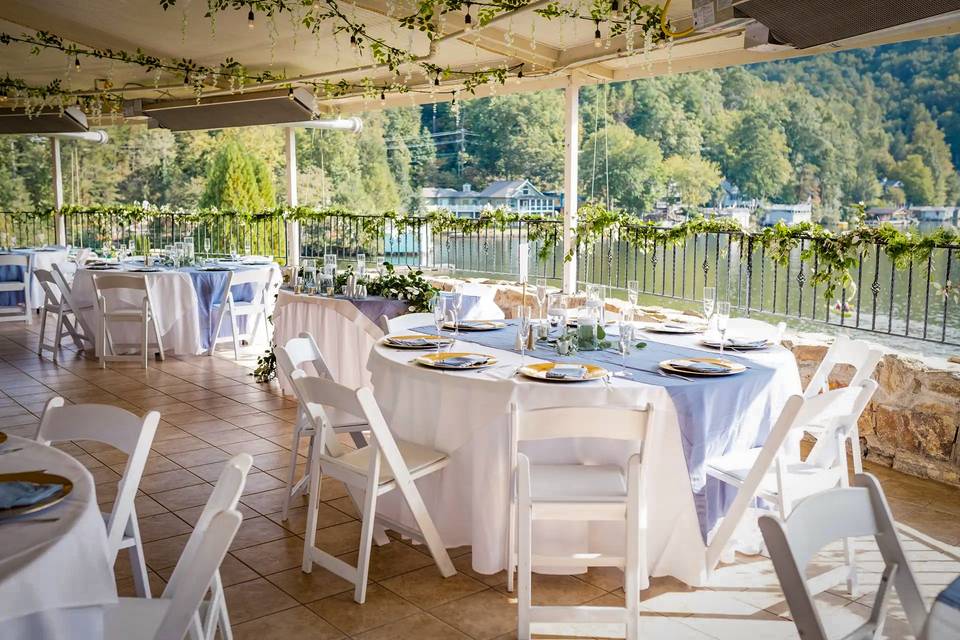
61	231
293	226
571	128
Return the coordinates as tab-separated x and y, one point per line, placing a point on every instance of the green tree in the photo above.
917	179
635	168
237	181
757	154
694	178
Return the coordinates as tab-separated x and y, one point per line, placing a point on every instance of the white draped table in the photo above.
54	576
465	414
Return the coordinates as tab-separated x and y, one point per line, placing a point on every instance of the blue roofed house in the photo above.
514	195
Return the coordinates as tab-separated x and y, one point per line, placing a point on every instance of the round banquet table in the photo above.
54	576
39	259
182	302
466	415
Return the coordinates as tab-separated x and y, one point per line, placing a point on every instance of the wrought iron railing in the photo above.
916	300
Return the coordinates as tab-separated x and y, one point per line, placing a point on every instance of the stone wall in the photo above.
911	424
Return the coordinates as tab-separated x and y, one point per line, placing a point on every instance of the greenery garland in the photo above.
835	253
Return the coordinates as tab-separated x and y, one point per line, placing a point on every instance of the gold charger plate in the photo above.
539	371
435	361
475	325
39	477
443	341
715	344
733	368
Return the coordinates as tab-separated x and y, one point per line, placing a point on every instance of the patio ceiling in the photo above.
550	50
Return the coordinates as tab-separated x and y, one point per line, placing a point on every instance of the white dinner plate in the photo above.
439	361
430	342
540	370
737	344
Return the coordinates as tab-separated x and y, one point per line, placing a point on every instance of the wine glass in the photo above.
247	246
439	304
555	304
456	298
541	296
523	328
709	298
626	339
206	245
361	265
723	317
633	292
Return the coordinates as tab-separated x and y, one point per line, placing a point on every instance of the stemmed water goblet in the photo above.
523	329
626	339
456	299
439	304
633	292
723	318
541	297
709	299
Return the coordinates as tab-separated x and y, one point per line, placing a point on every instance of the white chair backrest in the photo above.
22	284
756	329
111	425
860	354
63	280
14	260
199	563
50	288
83	254
260	278
225	495
109	281
828	516
409	321
300	351
610	423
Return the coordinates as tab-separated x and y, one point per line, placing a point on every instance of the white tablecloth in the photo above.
54	576
174	303
41	260
465	414
343	333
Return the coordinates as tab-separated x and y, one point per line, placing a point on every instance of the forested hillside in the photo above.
828	128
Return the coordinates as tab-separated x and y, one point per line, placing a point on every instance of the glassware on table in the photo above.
190	250
234	256
330	261
247	246
541	297
709	300
361	265
588	319
633	292
723	318
439	307
206	245
131	247
310	276
626	340
523	328
556	309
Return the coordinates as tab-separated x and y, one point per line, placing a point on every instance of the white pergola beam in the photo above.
293	226
571	152
57	173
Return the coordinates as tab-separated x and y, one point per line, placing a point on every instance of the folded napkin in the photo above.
463	361
567	371
744	342
414	342
23	494
698	367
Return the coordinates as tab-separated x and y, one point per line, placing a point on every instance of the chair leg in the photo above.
855	450
358	439
141	579
366	541
313	505
427	527
294	446
156	333
43	329
235	333
511	543
58	336
102	346
524	577
145	343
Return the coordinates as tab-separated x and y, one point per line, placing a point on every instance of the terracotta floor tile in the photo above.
257	530
184	497
206	455
270	501
309	587
272	557
227	436
162	525
255	599
426	588
421	626
164	553
253	447
483	615
381	607
178	445
327	516
298	622
167	480
387	561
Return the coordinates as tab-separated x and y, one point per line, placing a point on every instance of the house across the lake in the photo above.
739	214
786	213
515	195
897	216
942	215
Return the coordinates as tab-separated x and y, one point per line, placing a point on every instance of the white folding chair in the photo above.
860	510
486	308
864	358
54	302
295	355
756	329
407	322
21	264
580	492
256	309
212	614
83	332
781	478
384	465
124	431
115	311
172	616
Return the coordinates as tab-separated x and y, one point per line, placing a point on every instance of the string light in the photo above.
186	78
436	80
290	93
597	36
76	63
383	97
250	20
615	8
520	74
467	20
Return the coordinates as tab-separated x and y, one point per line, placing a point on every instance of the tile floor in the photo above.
212	409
